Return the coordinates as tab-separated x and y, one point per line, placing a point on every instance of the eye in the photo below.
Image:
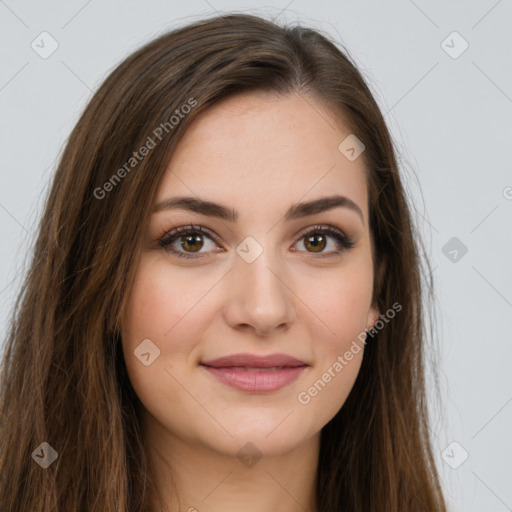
314	239
191	240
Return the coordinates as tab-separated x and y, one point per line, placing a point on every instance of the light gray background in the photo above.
449	116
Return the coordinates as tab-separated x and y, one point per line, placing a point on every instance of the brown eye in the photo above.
315	243
187	241
192	242
316	240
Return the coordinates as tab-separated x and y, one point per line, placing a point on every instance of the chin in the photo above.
270	437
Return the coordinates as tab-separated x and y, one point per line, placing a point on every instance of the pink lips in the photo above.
256	374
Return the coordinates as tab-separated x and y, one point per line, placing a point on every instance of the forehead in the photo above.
267	151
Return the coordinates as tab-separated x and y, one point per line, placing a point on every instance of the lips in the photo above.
256	374
255	361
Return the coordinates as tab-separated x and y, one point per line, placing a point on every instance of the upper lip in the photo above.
254	361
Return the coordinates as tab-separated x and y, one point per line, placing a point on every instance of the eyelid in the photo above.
191	227
173	232
319	227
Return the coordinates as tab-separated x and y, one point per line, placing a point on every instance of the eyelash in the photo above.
344	243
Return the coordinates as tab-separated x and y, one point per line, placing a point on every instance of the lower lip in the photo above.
256	381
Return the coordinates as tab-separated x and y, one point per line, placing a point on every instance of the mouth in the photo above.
256	374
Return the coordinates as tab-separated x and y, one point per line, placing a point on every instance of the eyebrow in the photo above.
296	211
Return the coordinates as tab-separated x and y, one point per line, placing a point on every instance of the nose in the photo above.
259	297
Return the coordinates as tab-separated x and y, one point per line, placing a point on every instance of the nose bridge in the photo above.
261	272
258	291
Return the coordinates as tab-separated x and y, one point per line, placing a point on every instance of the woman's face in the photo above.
259	285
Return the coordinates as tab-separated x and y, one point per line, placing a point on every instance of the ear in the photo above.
373	316
374	313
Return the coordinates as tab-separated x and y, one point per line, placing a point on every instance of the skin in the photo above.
259	155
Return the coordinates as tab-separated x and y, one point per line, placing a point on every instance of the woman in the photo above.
224	307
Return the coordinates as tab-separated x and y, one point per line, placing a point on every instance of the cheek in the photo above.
328	389
340	302
155	311
160	301
338	359
152	304
339	310
165	306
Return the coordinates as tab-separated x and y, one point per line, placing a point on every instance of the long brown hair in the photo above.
63	376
